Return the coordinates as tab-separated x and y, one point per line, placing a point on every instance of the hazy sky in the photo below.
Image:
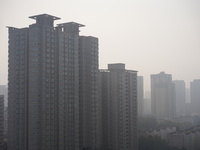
149	36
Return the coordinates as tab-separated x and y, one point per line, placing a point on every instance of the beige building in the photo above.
118	94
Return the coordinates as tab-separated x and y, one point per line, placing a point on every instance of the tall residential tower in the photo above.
52	79
118	93
163	96
180	97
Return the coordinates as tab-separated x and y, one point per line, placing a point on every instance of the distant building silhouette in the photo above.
187	95
180	97
147	103
1	121
140	95
195	97
52	87
118	93
162	96
4	91
5	120
188	102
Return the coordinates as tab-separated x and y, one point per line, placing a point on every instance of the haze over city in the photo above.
100	75
148	36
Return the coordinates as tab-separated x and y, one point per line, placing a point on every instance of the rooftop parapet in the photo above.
44	19
71	27
117	66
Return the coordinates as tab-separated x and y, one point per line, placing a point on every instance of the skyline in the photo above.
149	37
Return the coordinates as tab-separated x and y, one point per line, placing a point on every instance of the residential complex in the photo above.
118	93
52	87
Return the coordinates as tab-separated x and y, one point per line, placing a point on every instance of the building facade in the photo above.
118	94
90	126
195	97
163	104
180	97
50	86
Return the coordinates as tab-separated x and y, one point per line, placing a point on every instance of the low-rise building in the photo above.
188	139
161	132
1	120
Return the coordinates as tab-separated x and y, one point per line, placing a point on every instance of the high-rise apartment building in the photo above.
90	127
195	97
180	97
140	95
118	94
52	87
1	121
163	104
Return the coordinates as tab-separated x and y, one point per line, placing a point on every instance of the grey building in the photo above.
89	104
180	97
1	121
5	120
188	109
147	103
163	104
52	77
195	96
118	94
140	95
4	91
